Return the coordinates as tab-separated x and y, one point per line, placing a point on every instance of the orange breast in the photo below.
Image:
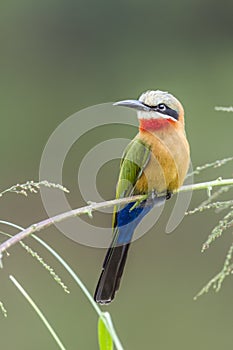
169	160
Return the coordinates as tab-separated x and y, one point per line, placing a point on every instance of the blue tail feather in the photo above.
127	220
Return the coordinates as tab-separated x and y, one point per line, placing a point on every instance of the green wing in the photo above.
134	161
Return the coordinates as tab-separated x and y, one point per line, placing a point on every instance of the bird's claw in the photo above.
168	194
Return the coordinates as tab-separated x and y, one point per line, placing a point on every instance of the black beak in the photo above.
139	106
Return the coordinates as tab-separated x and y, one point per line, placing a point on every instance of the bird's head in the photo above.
156	109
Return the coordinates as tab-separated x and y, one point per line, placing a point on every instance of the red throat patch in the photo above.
154	123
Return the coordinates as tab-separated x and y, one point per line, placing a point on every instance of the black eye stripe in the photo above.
168	111
171	112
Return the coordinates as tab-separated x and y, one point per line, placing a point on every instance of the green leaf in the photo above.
105	339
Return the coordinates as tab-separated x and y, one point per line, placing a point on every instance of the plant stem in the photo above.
95	206
38	311
103	315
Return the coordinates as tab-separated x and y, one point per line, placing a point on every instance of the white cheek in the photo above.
150	115
153	115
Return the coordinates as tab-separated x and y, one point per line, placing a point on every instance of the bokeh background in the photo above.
58	57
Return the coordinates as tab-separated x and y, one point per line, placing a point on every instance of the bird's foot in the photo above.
168	195
155	197
152	197
153	194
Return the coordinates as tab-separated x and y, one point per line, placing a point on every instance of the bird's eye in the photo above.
161	107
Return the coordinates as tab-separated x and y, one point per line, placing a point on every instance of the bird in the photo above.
155	164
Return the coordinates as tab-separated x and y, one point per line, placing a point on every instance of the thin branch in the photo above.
107	320
223	224
38	311
216	164
3	309
36	256
224	109
216	281
32	187
95	206
82	286
63	216
206	185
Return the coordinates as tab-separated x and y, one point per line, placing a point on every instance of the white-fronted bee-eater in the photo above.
155	163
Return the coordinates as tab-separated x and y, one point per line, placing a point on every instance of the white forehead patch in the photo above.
153	98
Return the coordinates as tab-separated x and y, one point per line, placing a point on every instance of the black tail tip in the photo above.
101	299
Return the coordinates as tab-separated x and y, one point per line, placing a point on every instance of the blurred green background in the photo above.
58	57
